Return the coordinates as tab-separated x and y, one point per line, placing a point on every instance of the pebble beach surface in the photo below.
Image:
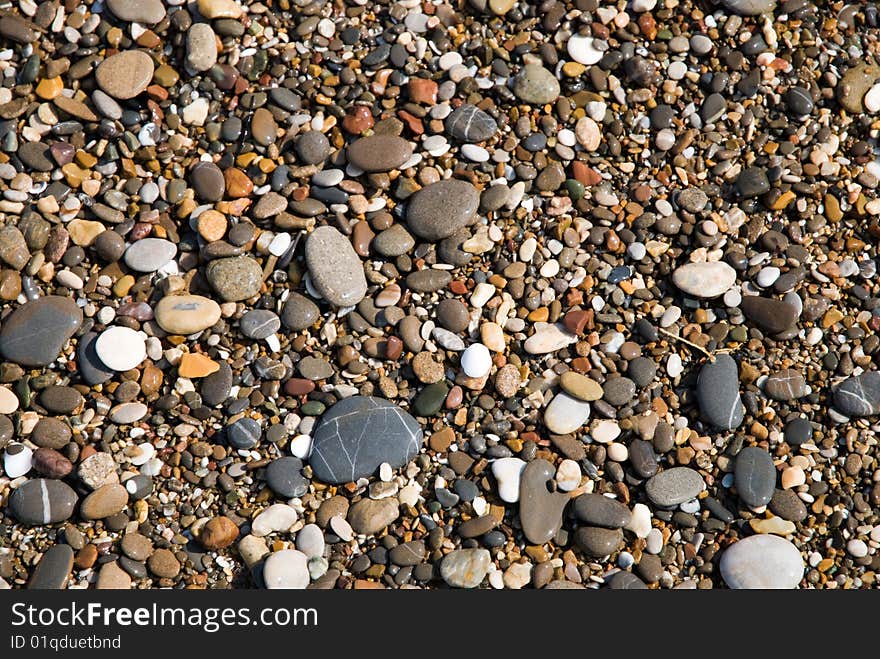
441	294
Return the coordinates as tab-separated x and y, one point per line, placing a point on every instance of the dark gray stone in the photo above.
673	486
259	323
597	542
89	365
859	395
753	182
37	331
787	384
642	458
284	477
540	510
599	510
53	569
440	209
299	312
468	123
357	435
244	433
718	393
42	501
770	314
755	476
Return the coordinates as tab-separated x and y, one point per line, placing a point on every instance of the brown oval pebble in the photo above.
164	564
218	533
126	74
379	153
105	501
51	463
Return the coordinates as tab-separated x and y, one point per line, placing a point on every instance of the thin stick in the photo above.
690	343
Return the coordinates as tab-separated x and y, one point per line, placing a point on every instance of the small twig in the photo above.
690	343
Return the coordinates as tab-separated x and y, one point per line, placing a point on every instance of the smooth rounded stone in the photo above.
583	50
207	181
314	368
335	268
566	414
136	546
755	476
580	386
277	518
37	331
465	568
259	323
284	477
673	486
299	312
718	393
508	472
753	182
310	540
548	338
641	371
125	74
625	581
799	431
535	84
60	400
750	7
855	84
53	570
540	510
235	278
762	562
107	500
186	314
799	101
440	209
121	348
704	280
468	123
51	433
286	569
149	254
599	510
17	29
126	413
379	153
369	517
787	384
598	542
42	501
312	147
476	361
772	315
394	241
201	47
428	281
244	434
618	391
859	395
641	457
360	433
216	387
148	12
113	577
408	553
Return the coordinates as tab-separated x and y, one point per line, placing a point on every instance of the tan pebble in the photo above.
212	225
8	401
774	525
793	477
492	336
84	232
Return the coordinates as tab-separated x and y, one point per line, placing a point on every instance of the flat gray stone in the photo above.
149	254
672	487
540	510
357	435
718	393
755	476
859	395
42	501
335	268
440	209
704	280
750	7
468	123
235	278
53	570
599	510
535	84
37	331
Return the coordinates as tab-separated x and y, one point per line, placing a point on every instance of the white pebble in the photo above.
871	101
640	522
583	49
276	518
121	348
568	475
476	361
857	548
300	446
17	460
507	472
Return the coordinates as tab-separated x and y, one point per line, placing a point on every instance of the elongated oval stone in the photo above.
335	268
704	280
755	476
762	561
540	510
186	314
859	395
772	315
42	501
358	434
674	486
36	332
718	393
379	153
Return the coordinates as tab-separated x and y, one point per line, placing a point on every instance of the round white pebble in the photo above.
857	548
568	475
121	348
476	361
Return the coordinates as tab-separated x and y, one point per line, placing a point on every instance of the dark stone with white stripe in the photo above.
859	396
755	476
718	393
788	384
468	123
284	477
244	433
259	323
42	501
53	569
357	435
